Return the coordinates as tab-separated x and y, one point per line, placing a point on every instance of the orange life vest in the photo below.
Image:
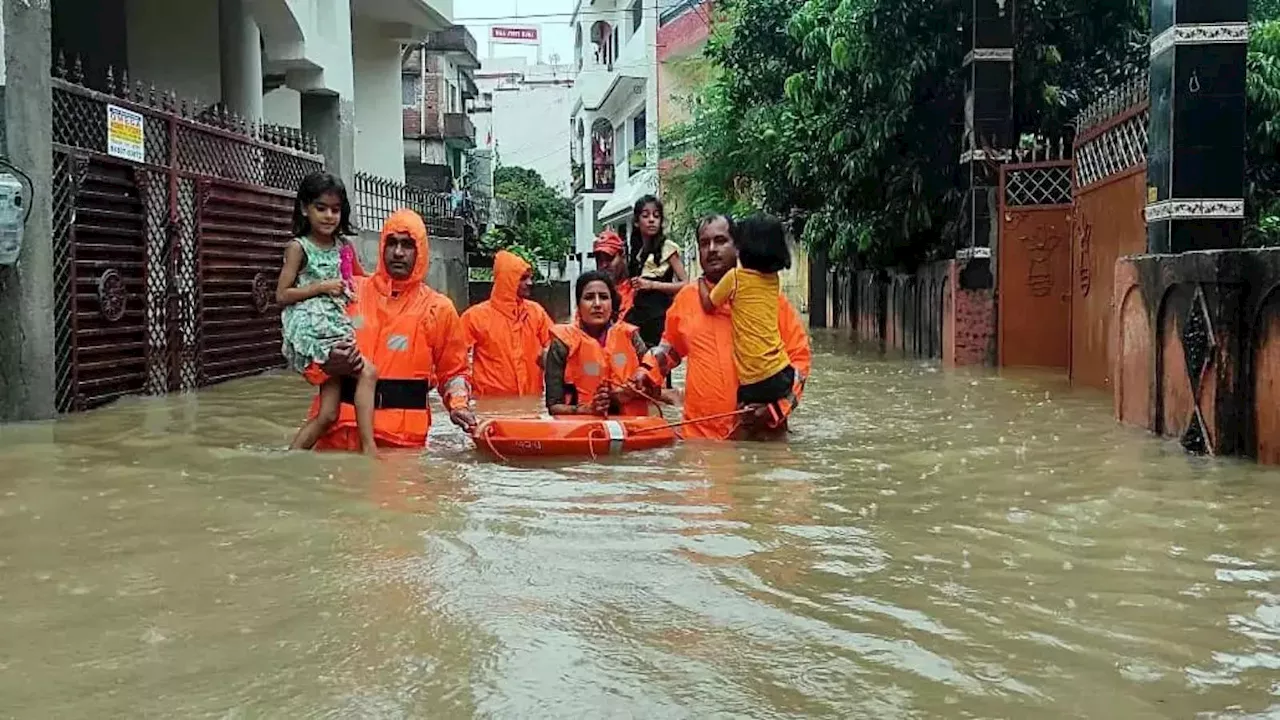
590	363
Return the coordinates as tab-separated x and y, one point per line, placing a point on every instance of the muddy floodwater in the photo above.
929	545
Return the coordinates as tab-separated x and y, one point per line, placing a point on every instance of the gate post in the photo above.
1195	351
27	288
988	139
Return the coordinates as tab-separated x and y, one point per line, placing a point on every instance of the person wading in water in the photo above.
590	359
705	340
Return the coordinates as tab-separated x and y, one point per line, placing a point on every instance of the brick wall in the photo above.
975	327
431	81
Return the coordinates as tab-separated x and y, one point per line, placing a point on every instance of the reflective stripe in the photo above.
616	435
398	343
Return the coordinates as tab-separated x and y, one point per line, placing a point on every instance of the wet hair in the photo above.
636	261
762	244
591	276
310	190
706	220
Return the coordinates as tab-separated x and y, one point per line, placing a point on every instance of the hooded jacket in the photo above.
506	334
413	335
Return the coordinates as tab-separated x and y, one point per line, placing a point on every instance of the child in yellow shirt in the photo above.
765	374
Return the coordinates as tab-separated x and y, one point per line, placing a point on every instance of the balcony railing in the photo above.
457	126
579	177
456	40
602	177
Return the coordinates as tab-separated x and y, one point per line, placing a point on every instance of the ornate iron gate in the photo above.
165	244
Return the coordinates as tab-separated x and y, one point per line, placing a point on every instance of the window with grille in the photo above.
410	90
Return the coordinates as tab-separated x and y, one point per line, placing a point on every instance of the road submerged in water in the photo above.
929	545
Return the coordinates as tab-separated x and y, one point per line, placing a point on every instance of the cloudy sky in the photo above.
551	15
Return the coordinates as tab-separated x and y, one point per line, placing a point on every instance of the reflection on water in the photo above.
929	545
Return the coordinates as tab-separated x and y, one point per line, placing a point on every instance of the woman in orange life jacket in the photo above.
590	360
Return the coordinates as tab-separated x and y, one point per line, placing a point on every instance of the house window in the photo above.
452	91
637	15
638	129
409	85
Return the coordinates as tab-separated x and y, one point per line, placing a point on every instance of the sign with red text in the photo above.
515	34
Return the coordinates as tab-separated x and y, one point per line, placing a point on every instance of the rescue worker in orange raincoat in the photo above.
590	359
412	334
507	333
611	256
706	342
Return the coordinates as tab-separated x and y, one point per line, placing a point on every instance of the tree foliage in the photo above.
1262	188
851	111
543	227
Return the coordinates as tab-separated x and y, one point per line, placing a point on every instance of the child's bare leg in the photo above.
366	387
330	400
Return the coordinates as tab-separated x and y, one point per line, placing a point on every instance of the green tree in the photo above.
543	227
850	110
1262	181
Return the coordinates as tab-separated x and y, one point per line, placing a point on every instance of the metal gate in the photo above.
1034	264
166	241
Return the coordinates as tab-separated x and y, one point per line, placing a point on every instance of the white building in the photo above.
331	68
614	115
520	113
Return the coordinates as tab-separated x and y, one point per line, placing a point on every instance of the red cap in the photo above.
609	242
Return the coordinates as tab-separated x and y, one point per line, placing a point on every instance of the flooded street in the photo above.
930	545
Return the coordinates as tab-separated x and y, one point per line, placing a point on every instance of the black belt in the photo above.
391	394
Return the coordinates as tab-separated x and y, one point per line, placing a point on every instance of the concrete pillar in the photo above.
1195	167
27	367
240	55
988	122
331	119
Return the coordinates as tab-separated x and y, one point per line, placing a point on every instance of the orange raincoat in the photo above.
711	379
506	334
414	336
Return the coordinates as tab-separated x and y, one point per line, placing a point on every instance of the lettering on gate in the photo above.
1040	249
1084	231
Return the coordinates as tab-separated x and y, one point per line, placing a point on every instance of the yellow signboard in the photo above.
126	134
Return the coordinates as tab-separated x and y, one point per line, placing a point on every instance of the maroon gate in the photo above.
167	244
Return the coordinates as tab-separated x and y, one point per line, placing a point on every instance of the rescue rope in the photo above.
591	436
693	421
486	434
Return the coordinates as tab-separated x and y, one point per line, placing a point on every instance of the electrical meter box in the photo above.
13	213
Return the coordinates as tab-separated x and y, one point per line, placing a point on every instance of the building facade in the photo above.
613	119
439	86
138	122
330	68
520	113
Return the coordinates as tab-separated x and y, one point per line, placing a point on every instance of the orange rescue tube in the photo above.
572	436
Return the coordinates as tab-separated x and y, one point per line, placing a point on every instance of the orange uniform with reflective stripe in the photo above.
705	341
410	332
590	363
506	334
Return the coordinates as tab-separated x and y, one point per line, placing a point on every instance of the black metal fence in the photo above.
168	223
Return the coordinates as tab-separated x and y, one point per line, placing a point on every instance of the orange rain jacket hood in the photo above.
410	223
507	334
